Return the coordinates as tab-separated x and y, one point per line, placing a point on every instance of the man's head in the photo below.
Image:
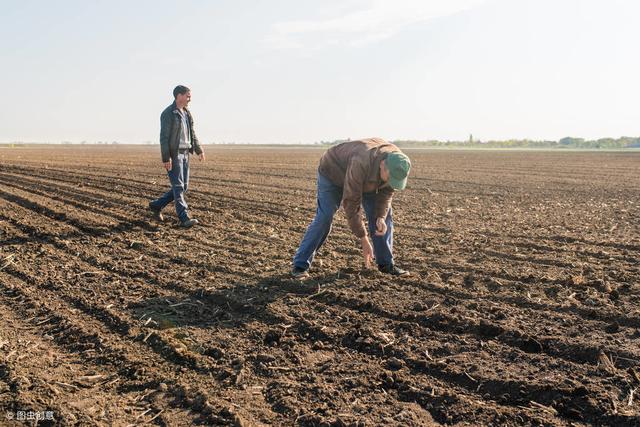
394	170
182	95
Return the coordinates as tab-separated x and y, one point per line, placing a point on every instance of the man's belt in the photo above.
183	150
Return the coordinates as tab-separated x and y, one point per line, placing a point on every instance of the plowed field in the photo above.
523	307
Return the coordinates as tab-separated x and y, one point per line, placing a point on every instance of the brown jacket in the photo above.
355	166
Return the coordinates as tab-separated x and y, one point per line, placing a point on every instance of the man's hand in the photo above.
201	156
367	252
381	227
167	165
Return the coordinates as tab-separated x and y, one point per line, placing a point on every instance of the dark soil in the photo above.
523	307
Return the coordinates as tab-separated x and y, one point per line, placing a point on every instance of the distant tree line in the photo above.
567	142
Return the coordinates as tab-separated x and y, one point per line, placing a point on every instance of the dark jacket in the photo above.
355	166
170	128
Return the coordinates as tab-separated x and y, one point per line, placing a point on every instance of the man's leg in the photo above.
176	175
157	205
329	197
162	201
382	245
185	172
166	198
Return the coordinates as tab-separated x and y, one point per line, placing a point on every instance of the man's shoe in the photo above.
299	273
188	223
157	215
393	270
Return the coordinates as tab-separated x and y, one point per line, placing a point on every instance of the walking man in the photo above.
357	174
177	141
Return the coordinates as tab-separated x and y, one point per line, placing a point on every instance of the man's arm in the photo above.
352	197
383	201
194	139
352	204
166	120
382	206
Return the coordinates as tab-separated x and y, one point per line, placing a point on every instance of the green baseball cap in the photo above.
398	165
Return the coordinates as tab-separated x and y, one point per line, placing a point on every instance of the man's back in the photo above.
335	162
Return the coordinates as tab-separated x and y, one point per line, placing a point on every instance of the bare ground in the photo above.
523	307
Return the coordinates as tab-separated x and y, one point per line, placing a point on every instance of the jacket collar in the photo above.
374	172
174	109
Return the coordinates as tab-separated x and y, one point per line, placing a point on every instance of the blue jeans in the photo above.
329	198
179	179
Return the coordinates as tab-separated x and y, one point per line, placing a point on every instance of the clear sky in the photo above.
289	71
